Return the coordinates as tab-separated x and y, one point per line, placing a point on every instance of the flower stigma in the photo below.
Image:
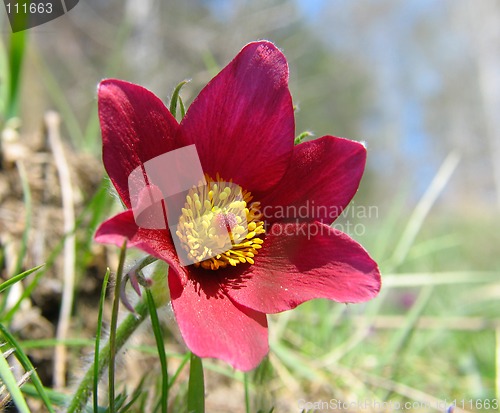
219	225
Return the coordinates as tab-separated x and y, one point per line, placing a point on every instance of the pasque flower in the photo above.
242	124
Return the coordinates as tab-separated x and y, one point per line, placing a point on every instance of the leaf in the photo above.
98	339
12	386
175	98
16	57
196	386
11	281
27	365
302	136
4	80
113	347
161	350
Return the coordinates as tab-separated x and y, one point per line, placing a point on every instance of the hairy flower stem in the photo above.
123	333
112	333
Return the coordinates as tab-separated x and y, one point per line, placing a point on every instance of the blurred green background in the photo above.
418	81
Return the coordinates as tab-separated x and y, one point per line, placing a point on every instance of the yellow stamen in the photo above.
220	226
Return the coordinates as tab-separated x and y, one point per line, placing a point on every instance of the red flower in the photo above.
242	124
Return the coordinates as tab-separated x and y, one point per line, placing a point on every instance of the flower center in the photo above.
219	226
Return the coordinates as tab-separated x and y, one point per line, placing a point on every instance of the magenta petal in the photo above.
136	127
121	227
323	177
213	326
242	122
299	262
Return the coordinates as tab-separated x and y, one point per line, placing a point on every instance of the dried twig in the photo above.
52	122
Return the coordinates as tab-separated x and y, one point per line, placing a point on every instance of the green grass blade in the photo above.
26	293
423	207
28	205
11	281
302	136
56	398
175	98
16	56
161	349
182	108
247	393
27	365
138	392
175	376
179	369
92	133
51	342
4	81
399	339
98	339
60	101
196	386
24	238
391	222
295	362
114	323
10	382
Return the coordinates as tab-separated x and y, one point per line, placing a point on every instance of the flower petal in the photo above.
242	122
323	176
299	262
136	127
210	323
121	227
213	326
